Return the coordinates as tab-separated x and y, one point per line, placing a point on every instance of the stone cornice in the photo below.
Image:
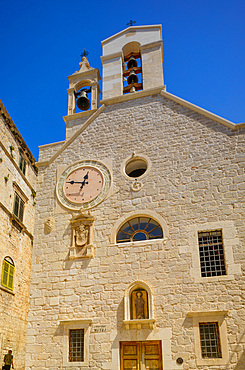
136	95
69	141
84	73
118	54
204	112
17	136
74	116
12	217
16	166
207	313
132	28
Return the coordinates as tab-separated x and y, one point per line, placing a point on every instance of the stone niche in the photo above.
82	236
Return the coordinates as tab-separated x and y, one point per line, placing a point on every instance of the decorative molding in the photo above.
17	136
139	324
132	28
77	321
7	290
204	112
206	313
136	185
68	142
136	95
13	219
18	189
16	166
49	225
79	115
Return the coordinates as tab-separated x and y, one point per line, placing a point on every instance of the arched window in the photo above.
7	279
139	228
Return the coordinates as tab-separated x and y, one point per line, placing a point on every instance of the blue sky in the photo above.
41	43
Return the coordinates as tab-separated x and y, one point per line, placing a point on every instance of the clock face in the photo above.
83	184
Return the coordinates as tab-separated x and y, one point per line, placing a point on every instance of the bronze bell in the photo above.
132	62
83	102
132	78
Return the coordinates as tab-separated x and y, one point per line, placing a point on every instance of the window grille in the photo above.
211	253
210	340
18	207
139	228
76	345
7	279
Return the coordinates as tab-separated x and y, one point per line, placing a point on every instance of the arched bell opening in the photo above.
132	68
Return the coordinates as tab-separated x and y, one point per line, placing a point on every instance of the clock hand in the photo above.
83	183
86	176
74	182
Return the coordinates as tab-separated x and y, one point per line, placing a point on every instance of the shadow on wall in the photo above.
241	360
241	363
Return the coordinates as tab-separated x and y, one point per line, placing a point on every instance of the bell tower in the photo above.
132	60
83	92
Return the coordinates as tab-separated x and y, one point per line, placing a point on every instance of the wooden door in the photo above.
141	355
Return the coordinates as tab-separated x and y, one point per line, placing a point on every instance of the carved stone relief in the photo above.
49	225
136	185
82	236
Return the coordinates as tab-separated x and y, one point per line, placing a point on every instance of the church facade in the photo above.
139	228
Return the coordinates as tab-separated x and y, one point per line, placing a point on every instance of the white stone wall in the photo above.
196	177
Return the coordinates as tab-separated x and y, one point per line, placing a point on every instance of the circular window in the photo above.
136	167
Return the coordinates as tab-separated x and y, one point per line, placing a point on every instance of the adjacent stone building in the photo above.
139	229
18	174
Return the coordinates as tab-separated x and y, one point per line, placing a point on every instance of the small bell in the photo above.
132	62
83	102
132	78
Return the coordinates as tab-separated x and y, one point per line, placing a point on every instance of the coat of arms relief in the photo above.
82	236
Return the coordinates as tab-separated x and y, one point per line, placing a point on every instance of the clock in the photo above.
83	185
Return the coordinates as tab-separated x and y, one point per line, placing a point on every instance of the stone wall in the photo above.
15	240
196	178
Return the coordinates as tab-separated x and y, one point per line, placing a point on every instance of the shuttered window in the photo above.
18	207
22	164
7	279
